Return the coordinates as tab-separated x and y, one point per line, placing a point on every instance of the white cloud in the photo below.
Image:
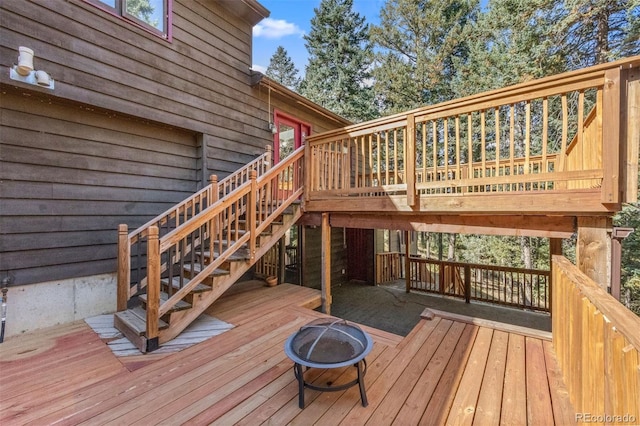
276	28
259	68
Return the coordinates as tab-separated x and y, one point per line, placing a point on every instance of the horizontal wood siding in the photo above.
197	81
70	176
313	257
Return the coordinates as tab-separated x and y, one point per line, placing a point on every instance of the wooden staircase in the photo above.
197	250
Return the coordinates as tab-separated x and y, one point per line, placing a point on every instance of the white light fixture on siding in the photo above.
25	61
24	70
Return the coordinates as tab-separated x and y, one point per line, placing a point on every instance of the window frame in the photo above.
120	12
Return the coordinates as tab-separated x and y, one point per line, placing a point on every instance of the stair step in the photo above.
240	255
200	288
136	320
197	268
180	306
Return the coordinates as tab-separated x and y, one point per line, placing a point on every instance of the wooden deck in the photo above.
444	372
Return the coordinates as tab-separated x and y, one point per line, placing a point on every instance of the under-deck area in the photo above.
444	372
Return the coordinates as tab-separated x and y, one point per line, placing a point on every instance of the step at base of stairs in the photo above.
180	306
136	320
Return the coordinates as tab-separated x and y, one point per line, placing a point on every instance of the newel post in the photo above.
410	160
153	288
124	269
252	213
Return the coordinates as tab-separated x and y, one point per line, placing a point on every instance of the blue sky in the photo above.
289	21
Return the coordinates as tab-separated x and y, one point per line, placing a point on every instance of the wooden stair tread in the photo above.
181	305
136	320
235	257
197	268
200	288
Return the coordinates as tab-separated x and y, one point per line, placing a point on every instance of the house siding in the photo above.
134	125
68	178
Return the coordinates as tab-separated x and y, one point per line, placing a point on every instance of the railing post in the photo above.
124	268
410	160
611	136
407	261
252	214
441	277
308	170
269	157
153	288
467	283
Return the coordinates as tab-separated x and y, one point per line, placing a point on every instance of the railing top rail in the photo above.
559	83
479	266
623	320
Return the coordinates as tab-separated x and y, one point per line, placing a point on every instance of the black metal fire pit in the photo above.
329	343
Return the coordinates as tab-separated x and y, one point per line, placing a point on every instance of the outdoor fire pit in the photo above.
329	343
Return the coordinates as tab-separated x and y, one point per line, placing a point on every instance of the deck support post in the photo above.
593	250
326	264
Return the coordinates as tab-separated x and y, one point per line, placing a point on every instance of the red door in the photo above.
290	135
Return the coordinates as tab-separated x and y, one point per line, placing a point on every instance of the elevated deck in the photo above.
561	146
444	371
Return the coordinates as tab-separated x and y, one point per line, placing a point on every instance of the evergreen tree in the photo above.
282	69
598	31
510	43
421	45
340	56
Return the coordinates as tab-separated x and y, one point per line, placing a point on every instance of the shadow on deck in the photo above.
389	307
442	372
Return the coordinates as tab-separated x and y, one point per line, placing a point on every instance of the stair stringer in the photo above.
181	320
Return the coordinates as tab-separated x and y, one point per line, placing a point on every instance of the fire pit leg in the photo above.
363	395
297	369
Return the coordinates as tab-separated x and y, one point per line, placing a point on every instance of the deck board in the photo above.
444	372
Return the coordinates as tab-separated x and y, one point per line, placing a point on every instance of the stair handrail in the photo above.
260	193
261	164
198	201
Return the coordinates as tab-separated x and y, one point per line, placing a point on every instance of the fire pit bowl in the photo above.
329	343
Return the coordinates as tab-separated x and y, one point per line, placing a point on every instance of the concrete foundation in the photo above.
36	306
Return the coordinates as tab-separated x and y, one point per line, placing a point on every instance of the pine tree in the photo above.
597	31
340	55
510	43
282	69
421	44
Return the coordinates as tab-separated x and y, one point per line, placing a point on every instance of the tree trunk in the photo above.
452	247
525	244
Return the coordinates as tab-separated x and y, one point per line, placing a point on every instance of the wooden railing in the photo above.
597	344
132	246
517	287
218	232
544	135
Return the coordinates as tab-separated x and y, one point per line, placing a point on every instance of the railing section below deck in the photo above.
517	287
597	343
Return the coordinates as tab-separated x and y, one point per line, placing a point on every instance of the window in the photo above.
153	15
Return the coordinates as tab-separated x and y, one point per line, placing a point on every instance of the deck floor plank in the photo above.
514	396
489	402
414	406
444	371
399	392
464	404
440	404
539	409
